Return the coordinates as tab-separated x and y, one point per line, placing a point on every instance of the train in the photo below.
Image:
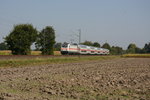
72	49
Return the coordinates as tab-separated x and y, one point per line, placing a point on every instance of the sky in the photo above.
117	22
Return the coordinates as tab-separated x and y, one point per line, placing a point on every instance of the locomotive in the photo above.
70	49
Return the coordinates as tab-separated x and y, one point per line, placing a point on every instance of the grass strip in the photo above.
136	55
51	60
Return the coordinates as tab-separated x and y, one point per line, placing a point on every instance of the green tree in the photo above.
106	46
88	43
131	48
21	38
57	46
138	50
3	46
46	40
96	44
116	50
146	48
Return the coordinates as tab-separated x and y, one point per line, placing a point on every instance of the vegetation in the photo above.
131	48
3	46
96	44
21	38
137	55
57	46
46	40
116	50
36	61
146	48
89	43
107	46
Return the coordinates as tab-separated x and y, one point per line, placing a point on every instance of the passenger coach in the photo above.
67	48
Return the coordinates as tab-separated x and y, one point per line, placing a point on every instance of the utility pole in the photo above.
44	42
79	36
79	41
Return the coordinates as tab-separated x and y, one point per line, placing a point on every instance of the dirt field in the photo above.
116	79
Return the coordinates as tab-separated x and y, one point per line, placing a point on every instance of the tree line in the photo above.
22	36
114	50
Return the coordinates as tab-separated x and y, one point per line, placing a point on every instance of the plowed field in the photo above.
115	79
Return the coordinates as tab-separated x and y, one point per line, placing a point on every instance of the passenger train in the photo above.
71	49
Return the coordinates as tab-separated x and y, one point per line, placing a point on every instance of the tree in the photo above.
21	38
116	50
96	44
57	46
131	48
3	46
106	46
138	50
146	48
88	43
46	40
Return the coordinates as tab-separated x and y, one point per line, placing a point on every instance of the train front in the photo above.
64	48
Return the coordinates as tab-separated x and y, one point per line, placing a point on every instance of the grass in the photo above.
137	55
35	61
51	60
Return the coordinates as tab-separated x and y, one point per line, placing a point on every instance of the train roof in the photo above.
85	46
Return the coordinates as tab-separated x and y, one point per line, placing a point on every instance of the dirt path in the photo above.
117	79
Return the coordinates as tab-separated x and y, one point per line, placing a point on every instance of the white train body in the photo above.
82	49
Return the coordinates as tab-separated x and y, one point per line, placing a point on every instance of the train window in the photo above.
72	46
83	51
75	44
92	51
83	46
92	48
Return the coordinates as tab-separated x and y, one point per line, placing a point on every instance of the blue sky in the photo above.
118	22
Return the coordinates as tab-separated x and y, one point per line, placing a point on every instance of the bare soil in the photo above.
116	79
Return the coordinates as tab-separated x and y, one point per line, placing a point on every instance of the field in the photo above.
73	78
8	52
5	52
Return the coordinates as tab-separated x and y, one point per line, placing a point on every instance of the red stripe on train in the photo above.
82	49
